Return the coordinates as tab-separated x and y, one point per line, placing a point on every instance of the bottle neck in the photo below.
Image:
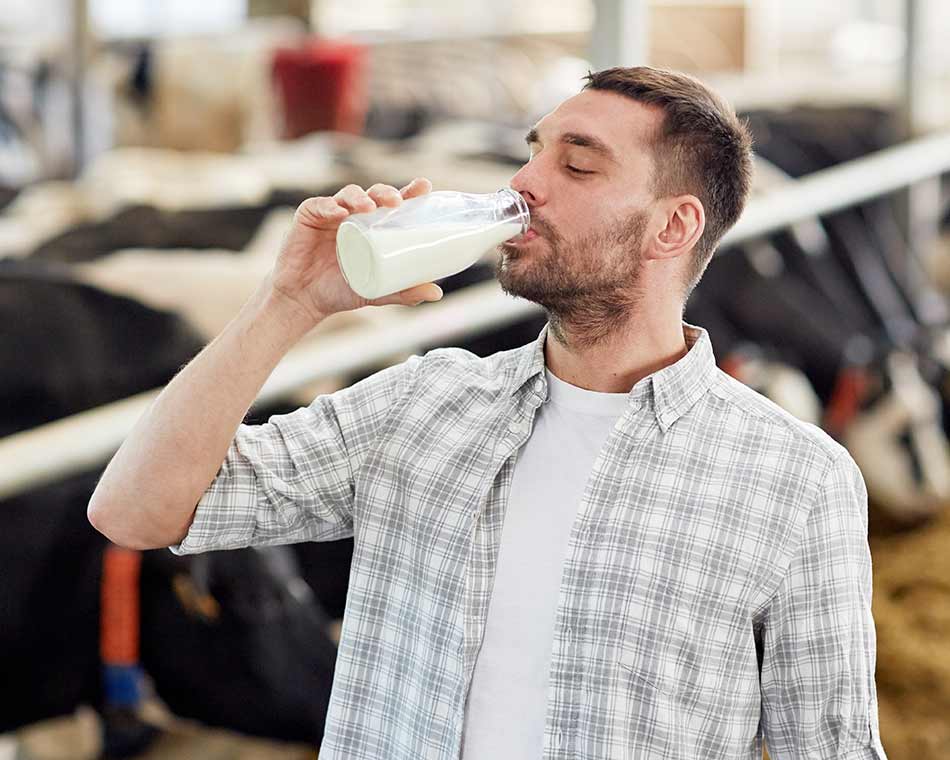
524	213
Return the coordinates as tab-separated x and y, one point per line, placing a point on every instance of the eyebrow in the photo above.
581	140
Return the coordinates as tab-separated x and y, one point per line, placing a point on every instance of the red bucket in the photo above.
321	85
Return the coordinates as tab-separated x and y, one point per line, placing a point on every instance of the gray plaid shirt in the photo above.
716	589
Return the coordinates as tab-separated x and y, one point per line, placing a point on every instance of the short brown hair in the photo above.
702	147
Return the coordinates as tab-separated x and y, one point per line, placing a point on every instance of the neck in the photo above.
615	362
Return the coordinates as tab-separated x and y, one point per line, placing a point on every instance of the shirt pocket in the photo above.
674	645
647	717
705	723
661	673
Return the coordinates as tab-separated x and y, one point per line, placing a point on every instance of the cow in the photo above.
262	662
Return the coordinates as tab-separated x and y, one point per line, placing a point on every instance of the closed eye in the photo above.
578	171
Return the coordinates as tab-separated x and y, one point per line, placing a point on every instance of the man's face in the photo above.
587	183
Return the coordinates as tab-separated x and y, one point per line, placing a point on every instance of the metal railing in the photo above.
84	441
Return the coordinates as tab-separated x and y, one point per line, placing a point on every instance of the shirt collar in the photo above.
670	391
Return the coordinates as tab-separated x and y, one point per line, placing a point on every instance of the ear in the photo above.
681	222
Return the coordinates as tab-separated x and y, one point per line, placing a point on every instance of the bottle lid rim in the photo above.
522	206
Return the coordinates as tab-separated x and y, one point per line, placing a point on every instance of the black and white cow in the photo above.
66	347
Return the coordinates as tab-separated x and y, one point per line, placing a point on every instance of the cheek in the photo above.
579	226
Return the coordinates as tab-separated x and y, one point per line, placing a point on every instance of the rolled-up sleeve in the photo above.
818	639
291	478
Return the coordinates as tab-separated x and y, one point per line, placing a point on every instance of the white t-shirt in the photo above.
505	711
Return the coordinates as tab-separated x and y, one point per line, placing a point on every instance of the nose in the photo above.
526	182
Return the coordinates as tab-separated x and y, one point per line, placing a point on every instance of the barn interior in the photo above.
152	156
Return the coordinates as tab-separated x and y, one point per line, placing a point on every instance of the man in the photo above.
594	546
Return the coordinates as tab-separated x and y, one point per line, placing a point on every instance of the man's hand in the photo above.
307	273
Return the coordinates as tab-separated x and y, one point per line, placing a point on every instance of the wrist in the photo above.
291	319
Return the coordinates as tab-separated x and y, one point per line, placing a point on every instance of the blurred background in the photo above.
151	156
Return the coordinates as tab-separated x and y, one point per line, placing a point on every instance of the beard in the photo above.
589	287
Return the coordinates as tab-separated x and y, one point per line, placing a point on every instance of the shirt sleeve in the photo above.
818	639
291	479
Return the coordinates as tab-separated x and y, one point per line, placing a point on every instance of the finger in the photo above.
384	195
411	296
355	199
321	211
419	186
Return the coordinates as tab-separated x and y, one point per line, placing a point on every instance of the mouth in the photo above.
531	234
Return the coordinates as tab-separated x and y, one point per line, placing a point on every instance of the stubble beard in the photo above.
588	287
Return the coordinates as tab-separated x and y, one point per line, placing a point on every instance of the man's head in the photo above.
644	168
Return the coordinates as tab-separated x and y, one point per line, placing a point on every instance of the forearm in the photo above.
147	495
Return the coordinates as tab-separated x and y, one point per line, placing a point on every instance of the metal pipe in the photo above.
80	48
620	34
843	185
86	440
912	85
918	206
83	441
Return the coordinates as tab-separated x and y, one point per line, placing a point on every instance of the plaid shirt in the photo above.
716	589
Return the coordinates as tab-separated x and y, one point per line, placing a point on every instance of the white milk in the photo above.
380	261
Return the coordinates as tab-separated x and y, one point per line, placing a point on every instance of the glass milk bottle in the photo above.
425	238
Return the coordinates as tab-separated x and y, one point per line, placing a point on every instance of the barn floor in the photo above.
77	737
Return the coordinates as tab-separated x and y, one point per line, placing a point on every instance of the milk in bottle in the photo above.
425	238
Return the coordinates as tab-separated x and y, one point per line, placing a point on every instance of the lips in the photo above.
531	234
